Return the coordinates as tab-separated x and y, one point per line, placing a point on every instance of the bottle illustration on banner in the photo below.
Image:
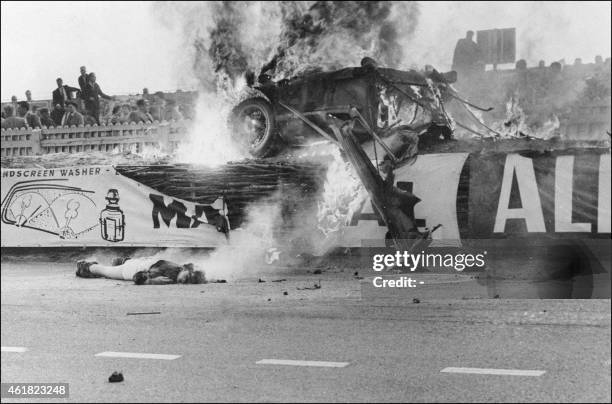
112	220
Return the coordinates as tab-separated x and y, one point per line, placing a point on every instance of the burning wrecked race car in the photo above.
371	113
401	107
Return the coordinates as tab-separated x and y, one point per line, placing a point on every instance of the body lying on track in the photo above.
143	271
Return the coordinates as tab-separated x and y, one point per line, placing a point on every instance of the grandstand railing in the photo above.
74	139
587	120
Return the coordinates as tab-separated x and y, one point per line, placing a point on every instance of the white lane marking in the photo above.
502	372
136	355
14	349
289	362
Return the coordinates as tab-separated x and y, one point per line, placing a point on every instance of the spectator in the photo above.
145	93
91	95
83	79
555	67
62	93
11	121
88	119
45	118
172	112
141	114
57	114
31	118
115	116
541	64
72	116
467	58
159	104
14	105
126	110
598	60
521	64
28	95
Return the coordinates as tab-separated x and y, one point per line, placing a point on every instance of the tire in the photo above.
254	127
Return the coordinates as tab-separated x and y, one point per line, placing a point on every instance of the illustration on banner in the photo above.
53	207
112	220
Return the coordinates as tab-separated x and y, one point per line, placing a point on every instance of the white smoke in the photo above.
209	141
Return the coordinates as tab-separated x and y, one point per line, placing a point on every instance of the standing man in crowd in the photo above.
468	58
91	94
32	120
62	93
28	95
72	116
14	105
83	78
11	121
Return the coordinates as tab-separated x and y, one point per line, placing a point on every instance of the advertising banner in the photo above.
494	196
529	195
96	206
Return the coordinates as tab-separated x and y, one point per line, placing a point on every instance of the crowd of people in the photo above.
83	105
544	91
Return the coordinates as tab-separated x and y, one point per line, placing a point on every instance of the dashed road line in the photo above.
136	355
14	349
500	372
289	362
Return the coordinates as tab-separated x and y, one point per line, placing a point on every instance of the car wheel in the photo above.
254	127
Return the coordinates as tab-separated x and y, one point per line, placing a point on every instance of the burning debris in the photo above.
355	109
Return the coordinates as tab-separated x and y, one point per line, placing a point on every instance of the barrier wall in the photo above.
562	194
96	206
133	136
527	195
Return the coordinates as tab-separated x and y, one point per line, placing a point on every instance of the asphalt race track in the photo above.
249	341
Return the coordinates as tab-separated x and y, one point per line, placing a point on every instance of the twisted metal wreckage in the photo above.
358	109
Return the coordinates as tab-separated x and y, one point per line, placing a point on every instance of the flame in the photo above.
343	194
516	123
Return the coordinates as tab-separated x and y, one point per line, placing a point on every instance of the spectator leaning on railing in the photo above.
11	121
157	108
72	117
115	116
172	112
45	118
141	114
32	120
57	114
88	119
